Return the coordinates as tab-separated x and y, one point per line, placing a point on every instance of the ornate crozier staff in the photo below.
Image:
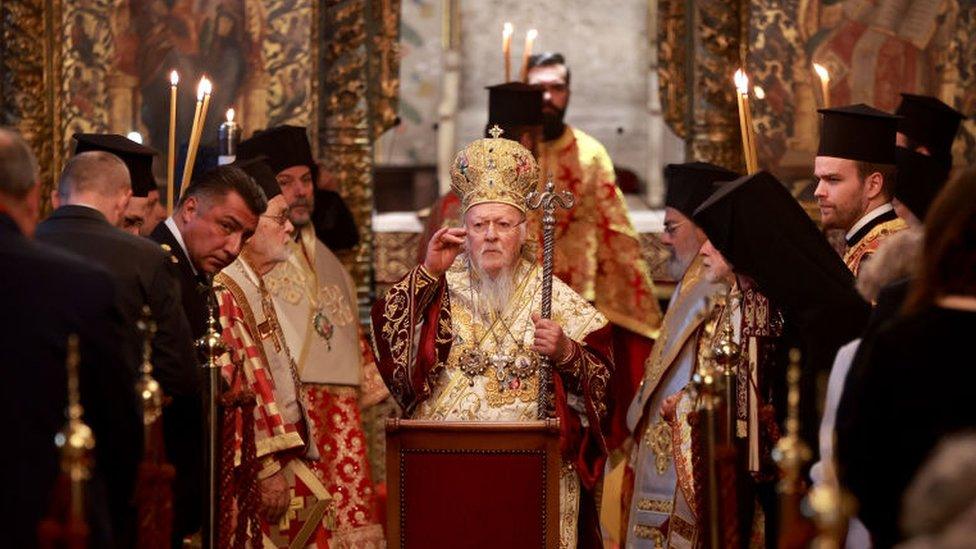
211	347
547	202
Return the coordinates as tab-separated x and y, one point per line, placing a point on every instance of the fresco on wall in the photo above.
873	49
256	53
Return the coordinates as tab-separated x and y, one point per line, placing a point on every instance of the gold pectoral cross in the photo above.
269	328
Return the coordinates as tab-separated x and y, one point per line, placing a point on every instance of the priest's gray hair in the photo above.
18	166
97	172
897	258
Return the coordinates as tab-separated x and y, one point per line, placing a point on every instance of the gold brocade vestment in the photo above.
495	395
424	327
865	247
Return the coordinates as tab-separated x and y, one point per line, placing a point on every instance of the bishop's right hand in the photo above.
443	247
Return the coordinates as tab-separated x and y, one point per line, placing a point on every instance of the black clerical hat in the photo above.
858	132
763	232
929	122
920	178
138	158
689	184
261	173
514	104
284	147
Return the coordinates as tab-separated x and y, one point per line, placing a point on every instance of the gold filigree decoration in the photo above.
344	139
333	300
644	531
525	390
287	281
28	61
658	438
493	170
383	69
655	505
672	56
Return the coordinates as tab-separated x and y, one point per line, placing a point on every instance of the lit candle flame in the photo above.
230	114
760	93
741	82
532	34
174	78
507	30
204	88
821	72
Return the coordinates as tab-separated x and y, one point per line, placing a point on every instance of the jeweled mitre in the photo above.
493	170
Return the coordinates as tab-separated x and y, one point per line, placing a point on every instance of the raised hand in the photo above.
444	246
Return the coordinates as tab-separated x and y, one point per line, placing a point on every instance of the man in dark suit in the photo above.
216	215
92	191
46	296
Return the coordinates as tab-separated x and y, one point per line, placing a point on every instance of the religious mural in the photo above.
255	53
873	50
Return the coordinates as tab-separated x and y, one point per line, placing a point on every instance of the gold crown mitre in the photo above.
493	170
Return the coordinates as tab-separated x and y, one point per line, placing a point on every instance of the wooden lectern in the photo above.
472	484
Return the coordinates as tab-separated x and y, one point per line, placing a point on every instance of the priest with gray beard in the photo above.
459	338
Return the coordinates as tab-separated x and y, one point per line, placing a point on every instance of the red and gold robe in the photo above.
597	253
423	325
309	431
863	249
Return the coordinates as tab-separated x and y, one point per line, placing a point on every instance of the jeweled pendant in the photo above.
472	363
324	327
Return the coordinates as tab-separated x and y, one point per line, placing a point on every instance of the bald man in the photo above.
93	192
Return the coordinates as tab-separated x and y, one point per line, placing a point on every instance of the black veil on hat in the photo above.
284	146
689	184
858	132
137	157
920	178
929	122
261	173
763	232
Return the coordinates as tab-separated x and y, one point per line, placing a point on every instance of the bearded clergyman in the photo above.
459	338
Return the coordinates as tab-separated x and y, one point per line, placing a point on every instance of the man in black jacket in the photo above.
46	296
92	191
216	215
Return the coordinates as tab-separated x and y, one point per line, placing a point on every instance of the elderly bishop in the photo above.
459	338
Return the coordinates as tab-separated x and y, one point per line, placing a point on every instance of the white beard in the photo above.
493	294
675	266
